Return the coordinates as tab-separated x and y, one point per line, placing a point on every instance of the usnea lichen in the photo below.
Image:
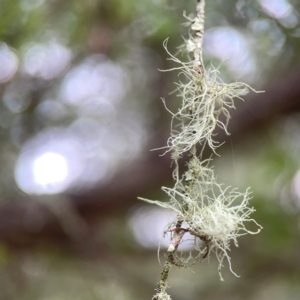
213	214
204	99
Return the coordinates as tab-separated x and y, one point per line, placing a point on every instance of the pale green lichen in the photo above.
162	296
204	99
215	215
212	213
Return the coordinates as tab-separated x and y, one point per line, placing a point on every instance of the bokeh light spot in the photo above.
231	47
28	5
50	168
46	60
145	217
8	63
277	9
49	163
95	80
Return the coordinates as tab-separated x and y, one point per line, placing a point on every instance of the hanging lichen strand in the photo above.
214	215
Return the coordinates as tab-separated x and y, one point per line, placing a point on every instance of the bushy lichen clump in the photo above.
213	214
209	212
204	99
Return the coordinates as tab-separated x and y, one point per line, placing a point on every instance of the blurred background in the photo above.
79	113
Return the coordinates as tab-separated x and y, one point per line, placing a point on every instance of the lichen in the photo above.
213	214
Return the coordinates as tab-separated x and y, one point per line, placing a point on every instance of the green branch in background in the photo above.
213	214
